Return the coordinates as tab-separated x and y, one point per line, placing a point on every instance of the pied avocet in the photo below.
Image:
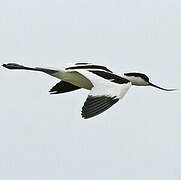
106	87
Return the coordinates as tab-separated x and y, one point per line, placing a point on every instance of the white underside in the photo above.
87	80
104	87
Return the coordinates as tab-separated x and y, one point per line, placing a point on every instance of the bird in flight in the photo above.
106	87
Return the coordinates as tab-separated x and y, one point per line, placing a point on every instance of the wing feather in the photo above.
63	87
96	105
103	95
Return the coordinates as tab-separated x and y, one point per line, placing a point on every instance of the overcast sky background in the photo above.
43	136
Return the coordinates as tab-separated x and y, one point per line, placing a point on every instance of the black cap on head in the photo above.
143	76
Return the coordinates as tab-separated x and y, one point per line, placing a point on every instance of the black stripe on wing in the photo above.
63	87
110	76
81	63
95	105
90	67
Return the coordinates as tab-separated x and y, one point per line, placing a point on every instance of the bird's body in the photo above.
106	87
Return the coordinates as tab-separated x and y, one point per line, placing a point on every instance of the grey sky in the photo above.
44	137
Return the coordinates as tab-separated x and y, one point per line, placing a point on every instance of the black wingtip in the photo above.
12	66
95	105
53	92
18	66
4	65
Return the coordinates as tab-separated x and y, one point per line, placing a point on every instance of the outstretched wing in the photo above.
95	105
63	87
107	89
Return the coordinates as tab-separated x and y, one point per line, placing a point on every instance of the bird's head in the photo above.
139	79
